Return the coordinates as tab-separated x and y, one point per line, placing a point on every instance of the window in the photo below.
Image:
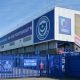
20	50
12	43
29	49
2	46
27	38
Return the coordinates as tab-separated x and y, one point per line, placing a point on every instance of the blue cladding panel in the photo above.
44	27
64	25
21	32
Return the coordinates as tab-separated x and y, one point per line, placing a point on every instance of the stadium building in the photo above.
54	32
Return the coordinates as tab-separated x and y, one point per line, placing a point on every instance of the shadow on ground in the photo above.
70	79
66	78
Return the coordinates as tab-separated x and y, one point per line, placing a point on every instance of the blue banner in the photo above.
30	62
44	27
64	25
21	32
6	66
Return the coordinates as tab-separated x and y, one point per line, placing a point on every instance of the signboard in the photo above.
6	66
44	27
25	30
30	62
64	25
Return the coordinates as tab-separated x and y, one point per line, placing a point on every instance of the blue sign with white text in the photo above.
64	25
44	27
23	31
30	62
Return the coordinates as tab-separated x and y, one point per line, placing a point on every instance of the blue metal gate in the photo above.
72	64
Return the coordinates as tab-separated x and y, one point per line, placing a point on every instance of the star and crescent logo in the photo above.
43	28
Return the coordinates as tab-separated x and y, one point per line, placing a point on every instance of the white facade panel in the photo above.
67	15
17	44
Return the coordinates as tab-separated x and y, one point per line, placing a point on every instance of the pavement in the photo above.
31	79
41	79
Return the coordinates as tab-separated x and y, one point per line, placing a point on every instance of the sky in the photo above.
15	12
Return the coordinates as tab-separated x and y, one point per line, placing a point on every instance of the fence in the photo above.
23	65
